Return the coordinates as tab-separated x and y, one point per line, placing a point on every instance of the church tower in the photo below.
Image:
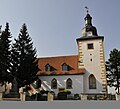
91	57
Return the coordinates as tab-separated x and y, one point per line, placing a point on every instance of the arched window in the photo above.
92	82
69	84
54	84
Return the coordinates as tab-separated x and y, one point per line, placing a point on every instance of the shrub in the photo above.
76	97
44	92
62	95
67	91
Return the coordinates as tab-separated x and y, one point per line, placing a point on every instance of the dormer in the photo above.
64	67
47	68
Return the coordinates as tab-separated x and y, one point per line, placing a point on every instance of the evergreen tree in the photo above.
24	58
113	69
5	55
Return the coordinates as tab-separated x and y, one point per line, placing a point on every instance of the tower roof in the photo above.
89	29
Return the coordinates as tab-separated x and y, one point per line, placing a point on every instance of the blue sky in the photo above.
54	25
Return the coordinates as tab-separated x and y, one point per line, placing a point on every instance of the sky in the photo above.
54	25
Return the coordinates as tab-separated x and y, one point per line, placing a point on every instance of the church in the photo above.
81	73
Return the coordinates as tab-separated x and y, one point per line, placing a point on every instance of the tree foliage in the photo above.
5	55
113	69
24	58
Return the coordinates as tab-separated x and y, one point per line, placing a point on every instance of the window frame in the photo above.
92	82
69	83
54	84
90	46
64	67
47	68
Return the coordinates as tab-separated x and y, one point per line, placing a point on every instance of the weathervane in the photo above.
87	9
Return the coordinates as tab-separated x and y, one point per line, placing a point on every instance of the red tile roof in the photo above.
57	62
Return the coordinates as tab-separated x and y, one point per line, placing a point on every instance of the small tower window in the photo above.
64	67
54	84
69	84
47	68
89	33
90	46
92	82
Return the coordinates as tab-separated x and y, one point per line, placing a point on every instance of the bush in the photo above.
44	92
62	95
67	91
33	96
40	97
76	96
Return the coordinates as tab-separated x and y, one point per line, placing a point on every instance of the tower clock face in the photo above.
89	33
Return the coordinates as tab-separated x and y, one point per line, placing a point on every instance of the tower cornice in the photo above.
90	38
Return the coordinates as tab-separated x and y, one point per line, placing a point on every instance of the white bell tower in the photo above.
91	57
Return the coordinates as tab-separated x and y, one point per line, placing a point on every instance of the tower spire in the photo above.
89	29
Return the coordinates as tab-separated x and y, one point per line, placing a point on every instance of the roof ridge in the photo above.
57	56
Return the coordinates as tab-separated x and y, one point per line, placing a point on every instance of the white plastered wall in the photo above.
94	66
77	81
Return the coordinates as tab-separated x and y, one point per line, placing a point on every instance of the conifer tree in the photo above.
113	69
5	55
24	58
